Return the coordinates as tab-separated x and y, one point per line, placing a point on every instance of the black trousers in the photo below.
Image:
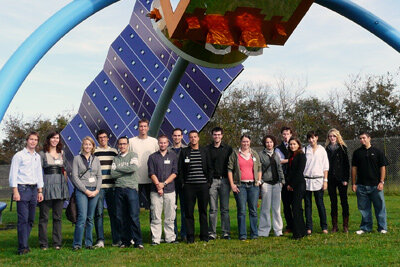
332	185
287	201
57	206
299	226
191	193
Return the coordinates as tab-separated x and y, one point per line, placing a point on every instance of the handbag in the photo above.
71	211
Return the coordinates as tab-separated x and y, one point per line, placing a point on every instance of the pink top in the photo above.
246	168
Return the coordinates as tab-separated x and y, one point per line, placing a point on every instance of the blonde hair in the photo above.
338	137
90	139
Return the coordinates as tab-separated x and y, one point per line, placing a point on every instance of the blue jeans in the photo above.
127	208
366	195
26	208
220	188
180	195
109	196
85	213
249	194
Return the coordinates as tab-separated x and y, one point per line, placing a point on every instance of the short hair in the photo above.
286	128
245	135
123	137
217	129
312	134
46	146
270	137
162	136
364	133
90	139
193	131
32	133
177	129
144	120
99	132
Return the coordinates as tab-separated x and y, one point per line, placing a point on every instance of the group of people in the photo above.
149	173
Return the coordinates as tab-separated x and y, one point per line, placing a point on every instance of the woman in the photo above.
244	174
86	177
55	189
338	177
272	179
296	183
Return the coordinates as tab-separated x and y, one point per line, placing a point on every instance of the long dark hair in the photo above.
46	147
298	151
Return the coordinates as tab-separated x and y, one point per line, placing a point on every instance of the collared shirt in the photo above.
162	167
26	168
219	159
317	163
280	153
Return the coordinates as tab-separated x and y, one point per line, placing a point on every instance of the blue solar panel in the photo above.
135	72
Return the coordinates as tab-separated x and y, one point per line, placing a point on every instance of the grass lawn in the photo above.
337	249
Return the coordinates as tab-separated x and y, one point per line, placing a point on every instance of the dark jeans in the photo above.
144	196
26	208
127	208
57	206
108	195
299	227
180	195
287	201
199	192
332	185
319	201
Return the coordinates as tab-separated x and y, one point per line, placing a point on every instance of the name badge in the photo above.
57	161
254	158
167	161
187	160
92	180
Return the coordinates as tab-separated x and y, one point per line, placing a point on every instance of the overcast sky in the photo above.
324	49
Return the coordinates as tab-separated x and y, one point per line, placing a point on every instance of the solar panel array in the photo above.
136	70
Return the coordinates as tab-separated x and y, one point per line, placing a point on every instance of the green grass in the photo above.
337	249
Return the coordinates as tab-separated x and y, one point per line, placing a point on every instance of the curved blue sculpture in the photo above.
21	63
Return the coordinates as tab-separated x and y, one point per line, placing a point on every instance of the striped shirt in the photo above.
106	156
196	174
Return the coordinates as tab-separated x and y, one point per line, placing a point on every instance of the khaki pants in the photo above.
159	203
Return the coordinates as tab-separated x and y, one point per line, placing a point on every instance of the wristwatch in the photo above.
165	183
382	182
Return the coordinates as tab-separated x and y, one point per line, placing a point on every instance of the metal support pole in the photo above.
166	96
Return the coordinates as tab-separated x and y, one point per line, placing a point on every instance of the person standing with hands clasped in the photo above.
369	168
86	177
163	168
26	180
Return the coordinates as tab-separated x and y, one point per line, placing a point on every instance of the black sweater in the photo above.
339	166
295	177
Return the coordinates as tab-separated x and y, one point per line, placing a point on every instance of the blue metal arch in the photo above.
36	46
24	59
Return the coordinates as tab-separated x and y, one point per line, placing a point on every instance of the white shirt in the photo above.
317	163
143	148
26	168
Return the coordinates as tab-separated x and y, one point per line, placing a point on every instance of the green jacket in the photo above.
124	170
233	165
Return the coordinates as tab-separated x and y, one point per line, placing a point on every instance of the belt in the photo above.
316	177
52	170
247	183
28	185
219	177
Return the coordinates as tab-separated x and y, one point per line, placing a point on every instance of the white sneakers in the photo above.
383	231
360	232
99	244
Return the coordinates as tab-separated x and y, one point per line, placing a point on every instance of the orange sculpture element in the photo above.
251	28
193	23
218	30
280	29
155	14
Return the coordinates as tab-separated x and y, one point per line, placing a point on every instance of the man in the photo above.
26	180
163	168
316	176
177	136
220	187
196	174
143	145
283	152
369	168
124	170
106	155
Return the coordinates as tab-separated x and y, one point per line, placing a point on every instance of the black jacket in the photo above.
295	176
339	166
183	168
